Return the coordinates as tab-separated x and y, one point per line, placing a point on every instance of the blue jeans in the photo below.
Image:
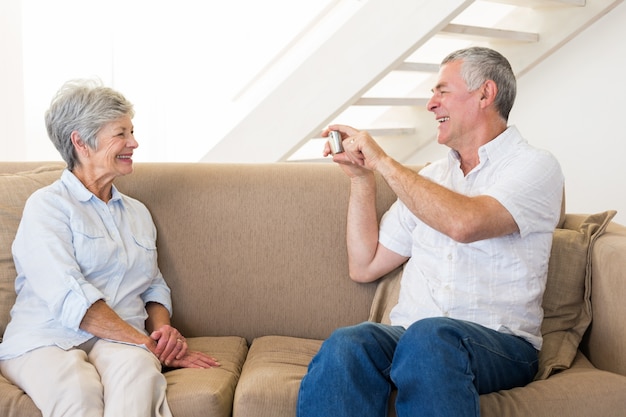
439	366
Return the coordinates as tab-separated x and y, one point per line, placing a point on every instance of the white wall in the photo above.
180	63
573	105
11	93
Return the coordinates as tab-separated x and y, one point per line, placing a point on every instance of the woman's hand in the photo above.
173	351
170	344
194	359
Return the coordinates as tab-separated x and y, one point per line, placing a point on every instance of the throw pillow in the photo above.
14	191
386	296
566	301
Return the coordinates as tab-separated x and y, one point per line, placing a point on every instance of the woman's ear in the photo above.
79	144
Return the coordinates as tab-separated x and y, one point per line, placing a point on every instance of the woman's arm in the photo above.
102	321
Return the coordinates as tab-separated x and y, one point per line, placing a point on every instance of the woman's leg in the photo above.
349	376
132	380
442	365
60	383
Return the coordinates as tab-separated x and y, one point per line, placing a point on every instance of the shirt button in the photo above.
450	256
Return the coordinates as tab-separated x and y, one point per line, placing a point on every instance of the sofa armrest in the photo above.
605	341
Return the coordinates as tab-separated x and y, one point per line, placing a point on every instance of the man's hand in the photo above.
361	152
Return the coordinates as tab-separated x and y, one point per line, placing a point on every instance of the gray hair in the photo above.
482	64
84	106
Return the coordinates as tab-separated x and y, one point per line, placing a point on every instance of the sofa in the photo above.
255	257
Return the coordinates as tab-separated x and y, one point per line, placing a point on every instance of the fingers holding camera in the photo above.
338	137
355	145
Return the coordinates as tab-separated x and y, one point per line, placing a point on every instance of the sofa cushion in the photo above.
14	191
190	392
208	392
14	402
567	298
581	390
566	303
271	375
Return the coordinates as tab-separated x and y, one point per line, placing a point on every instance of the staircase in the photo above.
371	64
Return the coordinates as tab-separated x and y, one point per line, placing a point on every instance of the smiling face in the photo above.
456	109
116	143
112	158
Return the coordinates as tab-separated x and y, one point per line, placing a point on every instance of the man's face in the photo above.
455	108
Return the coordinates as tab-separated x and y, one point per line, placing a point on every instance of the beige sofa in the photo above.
255	256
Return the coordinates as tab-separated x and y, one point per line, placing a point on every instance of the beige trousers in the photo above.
98	379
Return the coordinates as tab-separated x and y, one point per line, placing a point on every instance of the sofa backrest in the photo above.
247	249
252	250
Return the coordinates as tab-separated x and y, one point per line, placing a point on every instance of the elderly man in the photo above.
476	230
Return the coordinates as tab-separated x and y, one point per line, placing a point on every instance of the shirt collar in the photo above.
495	148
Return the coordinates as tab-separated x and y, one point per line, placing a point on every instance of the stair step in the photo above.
418	67
542	3
391	101
500	34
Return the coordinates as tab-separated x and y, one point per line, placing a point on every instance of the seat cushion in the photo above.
207	392
190	392
270	379
14	402
579	391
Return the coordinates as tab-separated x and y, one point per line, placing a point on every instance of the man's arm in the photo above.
368	260
462	218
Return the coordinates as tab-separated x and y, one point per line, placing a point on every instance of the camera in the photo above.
335	142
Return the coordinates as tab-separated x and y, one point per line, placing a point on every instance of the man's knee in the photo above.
434	328
346	339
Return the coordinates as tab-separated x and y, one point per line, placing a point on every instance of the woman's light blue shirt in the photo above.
72	249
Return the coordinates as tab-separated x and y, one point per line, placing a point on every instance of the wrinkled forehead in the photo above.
449	75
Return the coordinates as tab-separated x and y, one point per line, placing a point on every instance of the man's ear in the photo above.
79	144
489	90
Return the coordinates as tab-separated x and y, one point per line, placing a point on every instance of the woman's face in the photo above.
116	143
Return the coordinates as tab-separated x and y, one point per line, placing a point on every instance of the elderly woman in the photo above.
91	324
